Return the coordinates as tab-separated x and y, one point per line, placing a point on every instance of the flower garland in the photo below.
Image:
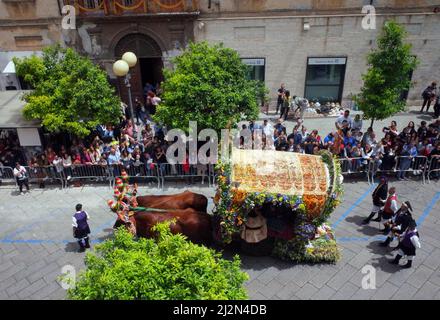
232	204
314	240
336	191
125	196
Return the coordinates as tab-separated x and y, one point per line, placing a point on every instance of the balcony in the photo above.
129	7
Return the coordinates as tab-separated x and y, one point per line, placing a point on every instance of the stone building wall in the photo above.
280	38
28	25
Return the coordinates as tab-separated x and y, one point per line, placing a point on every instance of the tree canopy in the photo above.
71	94
387	77
167	268
208	84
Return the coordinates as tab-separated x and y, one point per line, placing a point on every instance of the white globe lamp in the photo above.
120	68
130	58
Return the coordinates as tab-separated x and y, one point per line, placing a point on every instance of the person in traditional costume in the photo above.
408	245
379	198
398	224
390	208
81	229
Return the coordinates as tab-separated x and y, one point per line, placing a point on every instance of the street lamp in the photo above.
121	68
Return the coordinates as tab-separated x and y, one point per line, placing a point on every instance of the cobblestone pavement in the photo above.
35	243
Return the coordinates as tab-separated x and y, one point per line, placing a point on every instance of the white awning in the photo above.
11	111
6	63
10	67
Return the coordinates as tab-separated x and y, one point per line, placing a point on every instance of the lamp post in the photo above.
121	68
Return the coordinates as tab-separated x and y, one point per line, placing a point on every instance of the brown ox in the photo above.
183	200
197	226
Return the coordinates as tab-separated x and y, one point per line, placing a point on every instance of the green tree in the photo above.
167	268
70	94
388	74
208	84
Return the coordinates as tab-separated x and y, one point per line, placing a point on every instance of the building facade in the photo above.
25	28
317	47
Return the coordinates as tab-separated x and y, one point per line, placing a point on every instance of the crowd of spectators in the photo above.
119	145
349	140
10	150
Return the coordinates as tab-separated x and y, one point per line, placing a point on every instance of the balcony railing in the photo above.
122	7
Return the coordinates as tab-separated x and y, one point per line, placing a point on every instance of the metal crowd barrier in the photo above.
43	174
93	172
417	165
434	167
160	172
182	171
7	174
137	173
355	166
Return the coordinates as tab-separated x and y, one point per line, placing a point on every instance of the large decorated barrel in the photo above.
305	187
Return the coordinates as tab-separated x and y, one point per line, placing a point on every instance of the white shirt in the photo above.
268	129
342	118
155	101
414	239
58	163
19	173
393	206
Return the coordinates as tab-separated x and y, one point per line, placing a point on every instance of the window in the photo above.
325	79
257	68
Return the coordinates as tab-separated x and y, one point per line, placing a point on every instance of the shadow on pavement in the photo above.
371	229
71	247
386	255
252	262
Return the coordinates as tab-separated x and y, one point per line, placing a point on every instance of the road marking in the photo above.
355	205
428	209
420	220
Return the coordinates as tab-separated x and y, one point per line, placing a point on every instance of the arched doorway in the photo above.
149	66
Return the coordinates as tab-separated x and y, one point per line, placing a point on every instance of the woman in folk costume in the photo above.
408	244
398	224
81	229
379	197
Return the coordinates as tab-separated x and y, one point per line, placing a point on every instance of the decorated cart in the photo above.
293	194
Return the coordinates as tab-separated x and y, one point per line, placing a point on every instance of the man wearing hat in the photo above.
408	245
398	224
379	197
81	229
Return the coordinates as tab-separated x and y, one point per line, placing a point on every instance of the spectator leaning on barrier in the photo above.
434	157
409	151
